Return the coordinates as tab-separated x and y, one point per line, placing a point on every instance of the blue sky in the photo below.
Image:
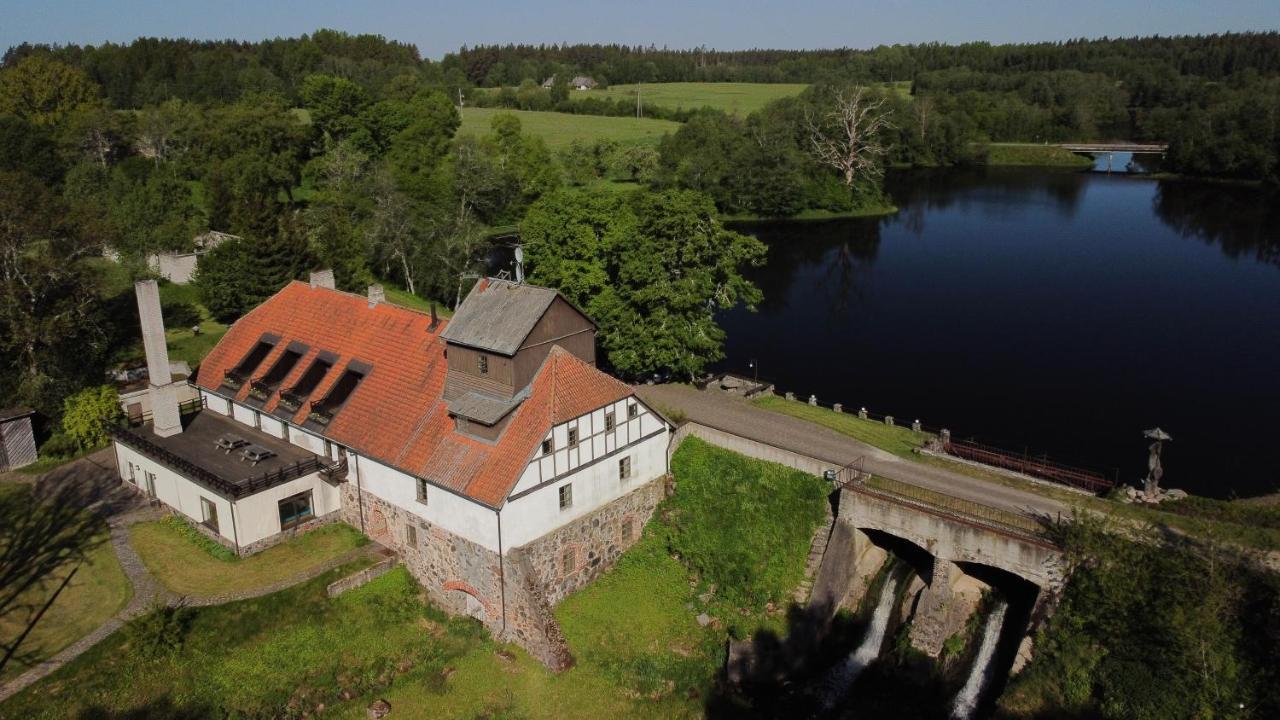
438	27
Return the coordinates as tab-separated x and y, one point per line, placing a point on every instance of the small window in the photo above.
132	478
609	422
568	561
566	497
422	491
411	536
482	364
573	437
628	529
295	510
633	411
624	468
209	514
547	446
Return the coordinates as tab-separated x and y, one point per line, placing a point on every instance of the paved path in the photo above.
124	507
735	415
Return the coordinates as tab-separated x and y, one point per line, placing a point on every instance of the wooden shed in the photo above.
17	440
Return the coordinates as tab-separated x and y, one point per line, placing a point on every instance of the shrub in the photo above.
88	414
158	633
59	446
199	539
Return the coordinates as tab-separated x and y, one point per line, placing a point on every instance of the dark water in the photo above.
1057	311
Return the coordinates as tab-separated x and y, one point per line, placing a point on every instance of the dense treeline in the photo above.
1214	98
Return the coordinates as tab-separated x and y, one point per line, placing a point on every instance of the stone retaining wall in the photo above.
353	581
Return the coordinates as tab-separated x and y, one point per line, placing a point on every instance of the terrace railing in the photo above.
185	409
1027	465
331	471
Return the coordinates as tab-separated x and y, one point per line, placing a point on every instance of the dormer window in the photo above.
482	364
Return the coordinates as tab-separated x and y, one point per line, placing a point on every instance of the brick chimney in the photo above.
323	279
165	419
377	294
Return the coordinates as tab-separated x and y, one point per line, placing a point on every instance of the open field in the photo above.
185	565
558	130
740	98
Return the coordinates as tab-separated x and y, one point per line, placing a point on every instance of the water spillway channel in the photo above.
980	673
839	680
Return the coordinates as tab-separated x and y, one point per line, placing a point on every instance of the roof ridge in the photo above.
388	303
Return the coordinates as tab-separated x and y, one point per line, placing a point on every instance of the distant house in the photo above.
579	82
17	441
181	267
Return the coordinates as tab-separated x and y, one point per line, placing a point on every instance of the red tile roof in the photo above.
397	415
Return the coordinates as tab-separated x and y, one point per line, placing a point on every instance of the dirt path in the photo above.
737	416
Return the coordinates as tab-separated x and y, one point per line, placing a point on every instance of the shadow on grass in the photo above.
159	709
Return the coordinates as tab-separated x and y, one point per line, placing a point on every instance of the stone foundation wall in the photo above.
364	577
465	578
569	557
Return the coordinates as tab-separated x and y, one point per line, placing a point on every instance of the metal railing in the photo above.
1027	465
967	510
332	471
185	408
1036	465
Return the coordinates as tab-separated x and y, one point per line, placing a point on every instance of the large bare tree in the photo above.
847	137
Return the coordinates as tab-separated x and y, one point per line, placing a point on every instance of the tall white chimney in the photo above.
165	419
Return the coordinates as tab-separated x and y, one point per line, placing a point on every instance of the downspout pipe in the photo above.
502	572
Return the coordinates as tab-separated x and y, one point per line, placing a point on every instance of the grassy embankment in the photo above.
737	525
1031	155
188	563
1250	525
98	590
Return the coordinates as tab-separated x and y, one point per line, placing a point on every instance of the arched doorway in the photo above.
379	531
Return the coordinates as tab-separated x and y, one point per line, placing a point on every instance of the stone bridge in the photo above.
957	543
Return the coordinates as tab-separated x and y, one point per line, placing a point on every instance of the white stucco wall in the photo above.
592	469
450	511
255	517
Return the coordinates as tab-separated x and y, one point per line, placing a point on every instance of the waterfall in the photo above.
967	701
837	682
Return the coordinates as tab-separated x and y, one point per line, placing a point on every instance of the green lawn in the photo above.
558	130
281	655
187	567
897	439
639	649
98	591
1028	154
740	98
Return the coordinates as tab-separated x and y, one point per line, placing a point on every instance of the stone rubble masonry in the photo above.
355	580
465	578
595	541
934	621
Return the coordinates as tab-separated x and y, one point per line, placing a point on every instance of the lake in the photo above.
1060	313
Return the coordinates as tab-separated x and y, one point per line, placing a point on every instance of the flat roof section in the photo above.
198	445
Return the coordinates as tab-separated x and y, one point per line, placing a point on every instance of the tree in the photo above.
89	414
847	137
52	338
225	280
335	104
43	90
653	268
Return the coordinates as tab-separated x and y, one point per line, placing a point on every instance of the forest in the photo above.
343	151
